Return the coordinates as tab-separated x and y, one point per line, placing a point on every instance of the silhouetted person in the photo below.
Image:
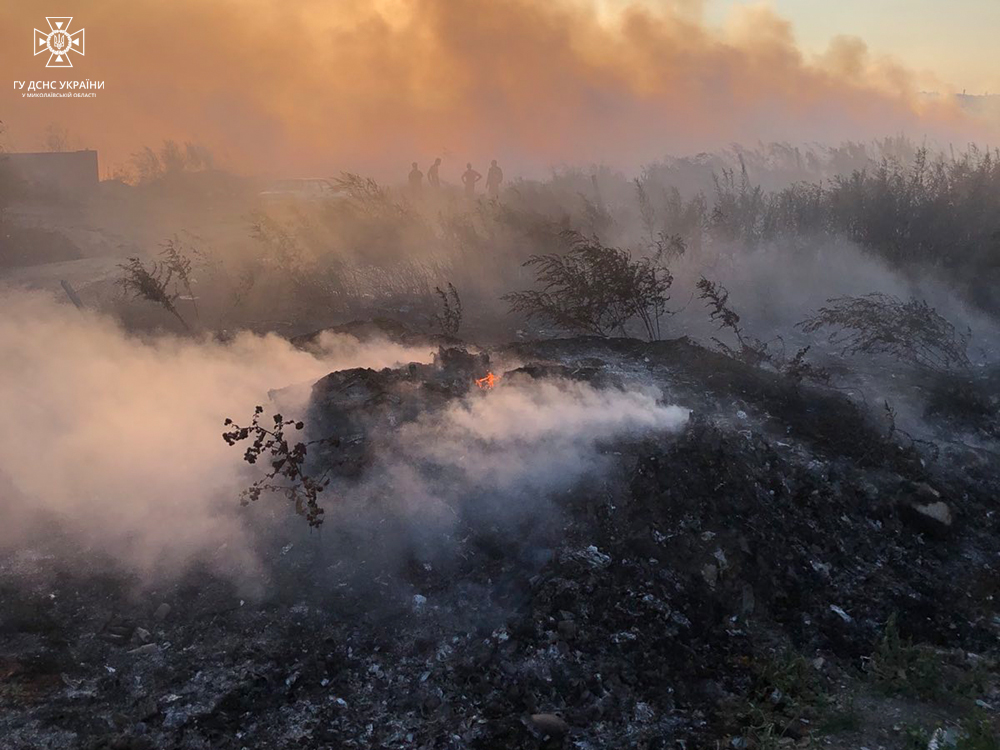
493	179
433	178
416	180
469	178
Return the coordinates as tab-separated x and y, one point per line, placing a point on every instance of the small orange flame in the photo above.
488	382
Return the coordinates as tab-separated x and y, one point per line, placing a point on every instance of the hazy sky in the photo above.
956	39
369	85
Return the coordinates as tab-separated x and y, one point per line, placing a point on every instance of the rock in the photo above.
822	568
549	724
143	635
921	506
161	612
933	518
145	650
938	511
841	613
594	557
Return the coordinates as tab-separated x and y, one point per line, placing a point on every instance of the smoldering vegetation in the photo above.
701	456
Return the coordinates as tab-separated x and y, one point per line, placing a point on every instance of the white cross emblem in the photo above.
59	42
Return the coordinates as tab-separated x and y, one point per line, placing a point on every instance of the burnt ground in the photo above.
789	570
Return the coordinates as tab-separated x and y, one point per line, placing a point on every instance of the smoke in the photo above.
368	86
823	268
529	438
116	440
500	462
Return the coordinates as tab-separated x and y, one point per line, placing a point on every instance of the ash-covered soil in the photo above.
788	569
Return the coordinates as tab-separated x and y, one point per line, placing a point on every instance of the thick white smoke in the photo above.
534	436
116	440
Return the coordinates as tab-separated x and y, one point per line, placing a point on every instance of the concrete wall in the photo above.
68	172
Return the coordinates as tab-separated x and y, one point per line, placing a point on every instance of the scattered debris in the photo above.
641	610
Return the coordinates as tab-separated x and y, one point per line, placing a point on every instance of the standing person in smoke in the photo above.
469	178
416	180
433	178
493	179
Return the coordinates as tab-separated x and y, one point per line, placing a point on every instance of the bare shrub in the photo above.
146	165
910	331
596	289
303	278
366	196
798	369
179	263
751	350
281	247
595	215
245	281
172	157
287	461
335	259
646	212
449	320
157	284
740	207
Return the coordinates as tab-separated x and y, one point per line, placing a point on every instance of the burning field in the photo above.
576	542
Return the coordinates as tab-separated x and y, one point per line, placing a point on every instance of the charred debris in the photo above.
789	569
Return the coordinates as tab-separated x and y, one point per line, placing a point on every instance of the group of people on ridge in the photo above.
494	176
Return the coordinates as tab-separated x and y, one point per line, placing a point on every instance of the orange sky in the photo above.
368	86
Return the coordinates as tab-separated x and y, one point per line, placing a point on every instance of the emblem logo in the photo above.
59	42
